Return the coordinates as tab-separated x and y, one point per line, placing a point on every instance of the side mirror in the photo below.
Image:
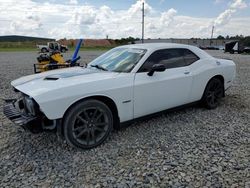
156	68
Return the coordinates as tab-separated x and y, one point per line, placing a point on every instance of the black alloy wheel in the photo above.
213	93
88	124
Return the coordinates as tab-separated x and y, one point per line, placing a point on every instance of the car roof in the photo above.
157	46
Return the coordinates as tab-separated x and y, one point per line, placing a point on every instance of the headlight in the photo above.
29	105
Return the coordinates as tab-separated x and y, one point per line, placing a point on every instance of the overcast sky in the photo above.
98	18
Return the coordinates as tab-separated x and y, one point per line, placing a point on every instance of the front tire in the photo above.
213	93
88	124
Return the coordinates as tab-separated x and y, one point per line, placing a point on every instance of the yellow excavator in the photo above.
55	60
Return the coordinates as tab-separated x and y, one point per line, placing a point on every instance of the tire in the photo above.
43	50
87	124
213	93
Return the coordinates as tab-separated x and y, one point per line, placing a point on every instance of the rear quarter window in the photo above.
189	57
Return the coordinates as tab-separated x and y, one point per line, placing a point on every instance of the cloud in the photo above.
238	4
73	2
168	16
162	1
226	16
87	21
218	1
136	8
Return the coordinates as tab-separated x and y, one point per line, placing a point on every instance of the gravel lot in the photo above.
192	147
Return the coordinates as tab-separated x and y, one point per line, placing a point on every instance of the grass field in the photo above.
17	49
31	46
27	49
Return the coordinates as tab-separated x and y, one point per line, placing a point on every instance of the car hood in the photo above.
37	84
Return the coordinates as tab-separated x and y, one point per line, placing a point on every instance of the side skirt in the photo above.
150	116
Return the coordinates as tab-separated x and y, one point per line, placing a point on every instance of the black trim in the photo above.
51	78
126	101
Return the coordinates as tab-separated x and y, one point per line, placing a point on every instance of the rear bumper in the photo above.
17	117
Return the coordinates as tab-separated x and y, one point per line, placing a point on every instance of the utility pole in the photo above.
212	35
143	15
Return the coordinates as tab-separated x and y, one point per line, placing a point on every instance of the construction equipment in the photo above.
55	60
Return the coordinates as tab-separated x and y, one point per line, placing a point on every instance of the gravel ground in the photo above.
193	147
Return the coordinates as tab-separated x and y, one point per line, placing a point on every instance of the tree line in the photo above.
244	39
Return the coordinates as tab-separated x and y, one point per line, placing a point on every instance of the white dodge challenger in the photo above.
84	104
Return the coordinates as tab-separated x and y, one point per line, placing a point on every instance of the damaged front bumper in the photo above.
14	110
18	117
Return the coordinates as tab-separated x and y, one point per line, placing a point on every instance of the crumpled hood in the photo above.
37	84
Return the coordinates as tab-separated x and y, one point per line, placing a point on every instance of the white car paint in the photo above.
135	94
162	91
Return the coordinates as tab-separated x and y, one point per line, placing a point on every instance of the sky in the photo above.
117	19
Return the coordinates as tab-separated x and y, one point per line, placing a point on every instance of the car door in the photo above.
163	90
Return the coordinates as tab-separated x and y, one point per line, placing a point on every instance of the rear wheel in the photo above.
213	93
88	124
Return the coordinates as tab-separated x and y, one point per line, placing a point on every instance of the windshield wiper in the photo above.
99	67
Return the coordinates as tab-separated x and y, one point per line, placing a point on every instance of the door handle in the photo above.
186	72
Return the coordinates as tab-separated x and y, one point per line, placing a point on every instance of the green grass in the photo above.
31	46
31	49
25	49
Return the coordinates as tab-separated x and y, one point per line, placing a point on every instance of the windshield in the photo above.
118	59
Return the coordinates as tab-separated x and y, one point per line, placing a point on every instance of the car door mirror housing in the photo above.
156	68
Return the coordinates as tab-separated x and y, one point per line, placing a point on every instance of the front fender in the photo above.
56	102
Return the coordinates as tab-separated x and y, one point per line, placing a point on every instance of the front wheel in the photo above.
88	124
213	93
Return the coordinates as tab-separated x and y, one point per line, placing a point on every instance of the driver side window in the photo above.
171	58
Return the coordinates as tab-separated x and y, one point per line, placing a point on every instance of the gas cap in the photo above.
218	63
